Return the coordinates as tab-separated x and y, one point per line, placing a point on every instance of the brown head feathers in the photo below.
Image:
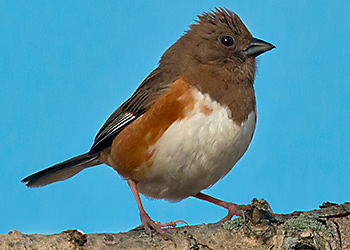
217	37
222	17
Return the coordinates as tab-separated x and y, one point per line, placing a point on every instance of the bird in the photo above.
187	124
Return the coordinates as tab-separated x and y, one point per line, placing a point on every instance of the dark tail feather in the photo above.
61	171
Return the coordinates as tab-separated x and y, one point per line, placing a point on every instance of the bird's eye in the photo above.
227	41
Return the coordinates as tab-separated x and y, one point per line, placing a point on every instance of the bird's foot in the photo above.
150	224
235	209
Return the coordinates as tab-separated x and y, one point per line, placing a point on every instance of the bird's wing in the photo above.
150	89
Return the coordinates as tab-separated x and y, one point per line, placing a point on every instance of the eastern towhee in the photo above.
186	125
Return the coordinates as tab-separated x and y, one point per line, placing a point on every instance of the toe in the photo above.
235	210
150	224
171	223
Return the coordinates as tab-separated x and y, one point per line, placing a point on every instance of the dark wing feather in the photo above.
151	88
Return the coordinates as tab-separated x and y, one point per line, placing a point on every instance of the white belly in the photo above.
196	152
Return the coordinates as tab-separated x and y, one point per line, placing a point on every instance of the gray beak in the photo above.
257	47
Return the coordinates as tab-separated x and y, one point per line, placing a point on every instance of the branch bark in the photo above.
325	228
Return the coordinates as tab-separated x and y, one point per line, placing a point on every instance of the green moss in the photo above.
144	235
76	237
290	243
261	204
233	224
305	221
294	244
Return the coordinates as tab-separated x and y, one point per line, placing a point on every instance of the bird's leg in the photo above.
233	209
147	222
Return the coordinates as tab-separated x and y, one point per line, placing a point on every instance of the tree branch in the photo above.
325	228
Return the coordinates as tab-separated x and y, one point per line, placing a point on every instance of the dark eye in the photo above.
227	41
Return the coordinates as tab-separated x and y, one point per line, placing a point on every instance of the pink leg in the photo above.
147	222
233	209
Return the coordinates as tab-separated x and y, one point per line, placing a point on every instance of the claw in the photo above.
149	224
234	209
171	223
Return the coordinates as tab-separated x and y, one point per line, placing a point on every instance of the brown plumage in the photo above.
188	122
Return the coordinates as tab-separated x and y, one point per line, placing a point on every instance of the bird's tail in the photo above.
61	171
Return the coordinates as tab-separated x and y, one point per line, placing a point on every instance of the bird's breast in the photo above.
185	143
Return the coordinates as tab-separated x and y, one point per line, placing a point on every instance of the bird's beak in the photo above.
257	47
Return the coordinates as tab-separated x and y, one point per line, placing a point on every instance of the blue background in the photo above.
65	66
